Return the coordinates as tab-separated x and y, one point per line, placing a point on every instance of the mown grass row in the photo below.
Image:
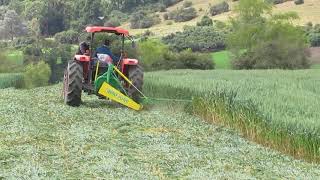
10	80
248	114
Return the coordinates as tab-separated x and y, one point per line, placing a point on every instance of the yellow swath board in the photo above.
108	91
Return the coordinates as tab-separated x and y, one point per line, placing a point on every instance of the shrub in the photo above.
183	14
169	23
112	23
151	52
165	16
162	8
298	2
276	1
219	8
184	60
205	21
313	34
23	42
36	75
67	37
314	39
191	60
142	19
198	38
118	16
168	3
187	4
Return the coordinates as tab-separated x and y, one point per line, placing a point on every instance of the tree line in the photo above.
48	17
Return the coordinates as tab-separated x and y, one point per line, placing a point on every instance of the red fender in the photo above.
128	61
82	58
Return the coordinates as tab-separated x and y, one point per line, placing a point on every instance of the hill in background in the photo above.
308	12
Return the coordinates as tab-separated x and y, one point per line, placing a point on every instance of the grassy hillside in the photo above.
222	60
274	107
40	137
308	12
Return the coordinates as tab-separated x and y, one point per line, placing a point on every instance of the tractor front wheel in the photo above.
72	89
135	74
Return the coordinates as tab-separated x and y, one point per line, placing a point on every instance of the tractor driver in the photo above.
104	49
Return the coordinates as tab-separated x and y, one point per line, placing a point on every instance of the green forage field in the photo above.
40	137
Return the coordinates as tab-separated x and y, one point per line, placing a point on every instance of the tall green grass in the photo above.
10	80
276	108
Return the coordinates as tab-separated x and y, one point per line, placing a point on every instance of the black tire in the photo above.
135	74
72	89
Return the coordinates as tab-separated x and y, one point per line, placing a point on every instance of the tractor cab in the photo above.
93	73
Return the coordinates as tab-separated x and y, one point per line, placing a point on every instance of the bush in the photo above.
187	4
313	34
276	1
168	3
165	16
23	42
183	14
198	38
205	21
142	19
191	60
112	23
314	39
169	23
67	37
298	2
36	75
219	8
154	55
117	16
150	52
162	8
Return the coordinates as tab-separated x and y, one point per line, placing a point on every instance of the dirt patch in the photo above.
315	55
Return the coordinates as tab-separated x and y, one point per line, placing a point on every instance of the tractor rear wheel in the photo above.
72	89
135	74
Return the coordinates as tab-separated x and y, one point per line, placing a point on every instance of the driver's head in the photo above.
106	42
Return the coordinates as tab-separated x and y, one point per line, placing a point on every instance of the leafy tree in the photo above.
47	17
261	42
86	12
12	26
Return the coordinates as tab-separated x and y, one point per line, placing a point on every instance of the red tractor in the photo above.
120	82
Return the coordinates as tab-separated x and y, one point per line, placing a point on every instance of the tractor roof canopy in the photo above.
115	30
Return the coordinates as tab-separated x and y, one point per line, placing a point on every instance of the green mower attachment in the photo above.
109	86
